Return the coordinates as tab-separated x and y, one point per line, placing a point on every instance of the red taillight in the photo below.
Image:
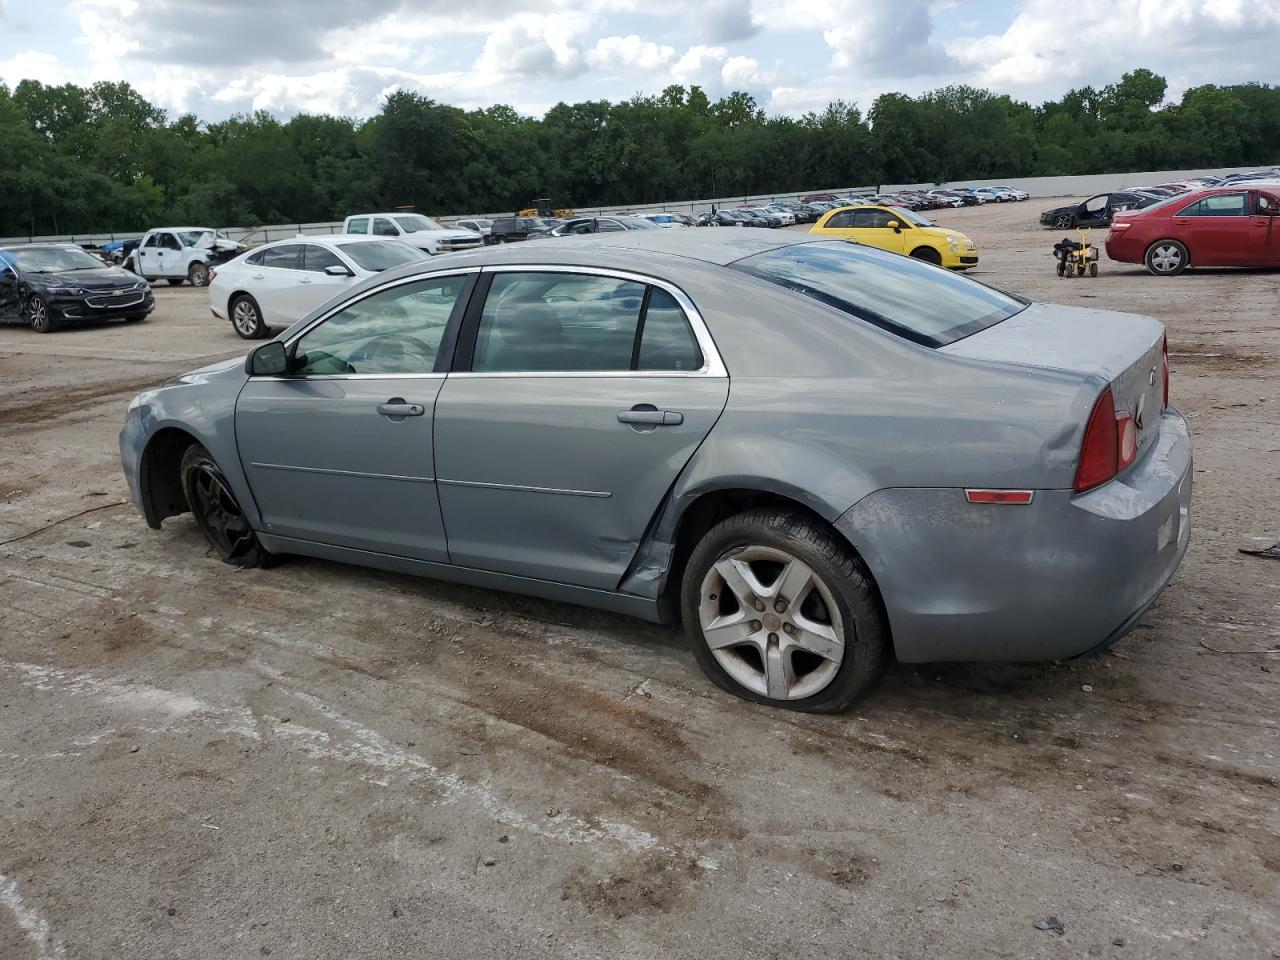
1165	351
213	275
1099	452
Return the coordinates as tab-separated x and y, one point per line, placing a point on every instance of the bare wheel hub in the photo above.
771	623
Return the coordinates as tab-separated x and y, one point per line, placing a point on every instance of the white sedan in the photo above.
281	282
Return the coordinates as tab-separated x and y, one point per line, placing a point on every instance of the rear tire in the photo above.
217	513
246	317
819	596
928	255
1167	258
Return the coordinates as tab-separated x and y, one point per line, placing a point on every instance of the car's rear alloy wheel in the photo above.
217	513
38	314
1062	221
1167	258
780	611
246	318
198	274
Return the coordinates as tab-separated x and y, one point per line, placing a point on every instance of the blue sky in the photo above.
218	57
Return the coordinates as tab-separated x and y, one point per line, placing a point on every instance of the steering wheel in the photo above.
377	350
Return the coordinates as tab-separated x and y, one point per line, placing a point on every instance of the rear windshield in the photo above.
909	297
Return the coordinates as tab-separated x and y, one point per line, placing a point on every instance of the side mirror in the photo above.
338	270
894	226
267	360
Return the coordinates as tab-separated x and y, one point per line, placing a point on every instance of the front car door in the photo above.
1094	211
171	255
1264	230
578	396
1216	229
149	256
340	450
315	285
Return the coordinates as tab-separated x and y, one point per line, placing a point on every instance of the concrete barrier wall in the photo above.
1082	186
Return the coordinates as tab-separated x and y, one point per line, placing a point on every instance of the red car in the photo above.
1234	226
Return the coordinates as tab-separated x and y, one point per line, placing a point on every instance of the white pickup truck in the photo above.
181	253
415	230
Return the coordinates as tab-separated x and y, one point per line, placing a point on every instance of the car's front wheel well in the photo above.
161	475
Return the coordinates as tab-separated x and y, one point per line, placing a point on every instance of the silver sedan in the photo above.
816	455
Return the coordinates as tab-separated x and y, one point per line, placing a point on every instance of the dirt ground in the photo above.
318	761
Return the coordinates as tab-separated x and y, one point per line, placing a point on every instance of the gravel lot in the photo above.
317	761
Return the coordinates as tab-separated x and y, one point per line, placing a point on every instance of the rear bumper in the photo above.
1124	249
1054	579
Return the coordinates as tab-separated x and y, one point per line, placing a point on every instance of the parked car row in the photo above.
1100	210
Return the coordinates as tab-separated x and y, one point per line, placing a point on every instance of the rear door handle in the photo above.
644	413
397	409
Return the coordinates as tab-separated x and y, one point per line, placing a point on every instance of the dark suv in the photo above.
511	229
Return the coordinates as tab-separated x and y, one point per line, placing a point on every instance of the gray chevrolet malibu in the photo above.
815	454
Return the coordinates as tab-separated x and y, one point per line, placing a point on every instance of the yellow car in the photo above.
899	231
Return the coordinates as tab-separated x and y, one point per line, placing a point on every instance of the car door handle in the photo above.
257	276
396	407
305	280
646	414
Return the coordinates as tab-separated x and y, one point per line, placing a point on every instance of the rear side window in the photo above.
905	296
1218	205
255	258
558	322
287	256
358	226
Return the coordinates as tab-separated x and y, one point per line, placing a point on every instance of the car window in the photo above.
1217	205
379	255
169	242
393	331
842	220
608	226
666	339
287	256
385	228
1096	204
255	258
1267	205
534	322
317	259
901	294
358	226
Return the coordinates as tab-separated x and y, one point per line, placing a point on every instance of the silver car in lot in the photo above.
816	455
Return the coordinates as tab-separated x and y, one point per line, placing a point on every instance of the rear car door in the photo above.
340	451
276	281
577	397
1216	229
172	256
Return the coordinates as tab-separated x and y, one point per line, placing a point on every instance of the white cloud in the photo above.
547	49
741	72
32	65
723	21
630	53
1228	41
699	65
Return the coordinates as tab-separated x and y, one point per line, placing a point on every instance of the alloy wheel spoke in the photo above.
729	630
779	675
741	581
793	584
817	638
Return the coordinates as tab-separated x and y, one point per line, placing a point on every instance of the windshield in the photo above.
416	223
378	255
912	217
913	299
51	259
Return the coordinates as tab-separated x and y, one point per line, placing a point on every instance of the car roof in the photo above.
41	246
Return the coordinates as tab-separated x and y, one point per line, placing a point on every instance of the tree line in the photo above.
101	158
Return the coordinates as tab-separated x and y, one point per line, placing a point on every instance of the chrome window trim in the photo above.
712	363
352	376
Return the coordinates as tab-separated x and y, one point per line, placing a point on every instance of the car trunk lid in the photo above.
1126	350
